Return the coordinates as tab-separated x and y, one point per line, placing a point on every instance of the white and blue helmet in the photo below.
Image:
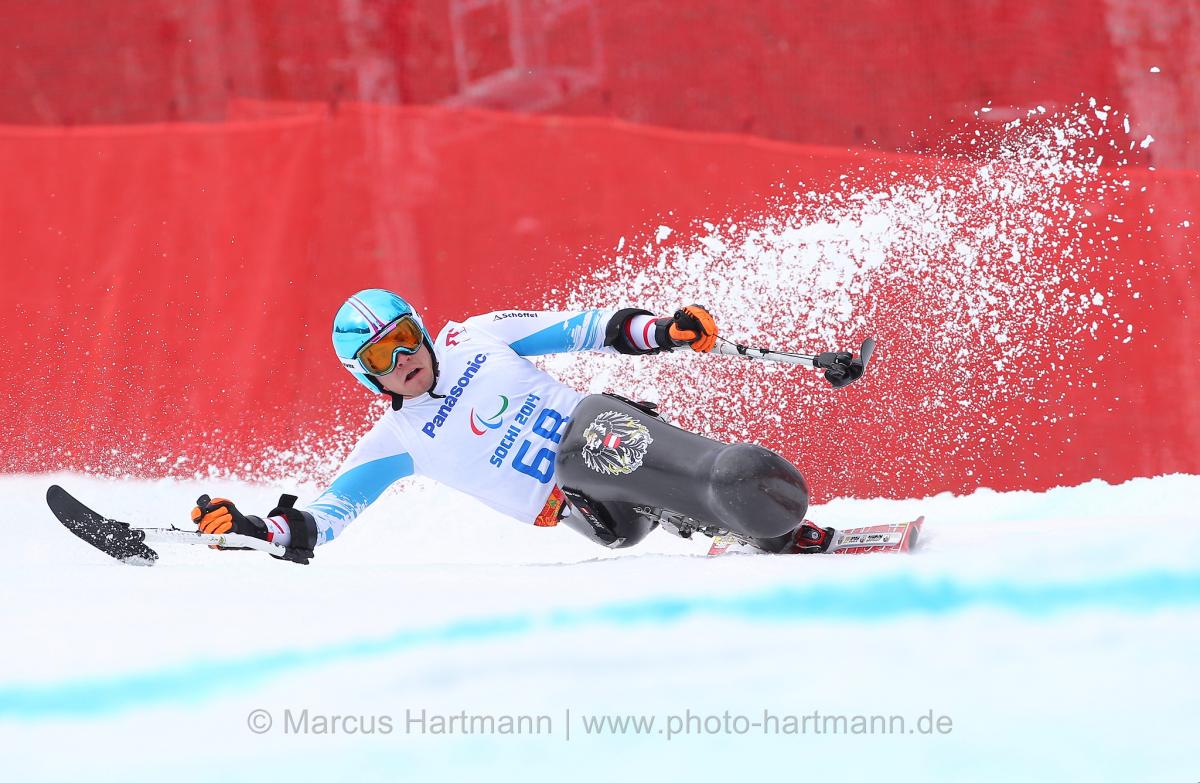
363	316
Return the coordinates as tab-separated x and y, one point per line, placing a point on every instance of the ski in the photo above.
895	537
121	541
892	537
721	544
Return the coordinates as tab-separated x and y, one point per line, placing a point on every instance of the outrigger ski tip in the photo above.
115	539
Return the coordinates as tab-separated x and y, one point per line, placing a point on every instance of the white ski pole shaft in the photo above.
841	367
733	349
171	535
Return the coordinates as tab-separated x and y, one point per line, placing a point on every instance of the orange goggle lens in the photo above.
378	357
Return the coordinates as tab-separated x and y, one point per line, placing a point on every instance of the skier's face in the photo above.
412	376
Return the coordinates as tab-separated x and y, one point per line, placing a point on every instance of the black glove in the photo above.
303	530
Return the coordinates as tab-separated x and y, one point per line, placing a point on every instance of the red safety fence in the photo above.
168	291
897	74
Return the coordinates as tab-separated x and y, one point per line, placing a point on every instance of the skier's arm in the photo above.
629	331
377	461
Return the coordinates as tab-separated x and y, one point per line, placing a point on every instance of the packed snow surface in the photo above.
1033	636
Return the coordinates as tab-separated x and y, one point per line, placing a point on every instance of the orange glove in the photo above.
220	516
694	326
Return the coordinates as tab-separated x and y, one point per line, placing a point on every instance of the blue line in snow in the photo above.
878	600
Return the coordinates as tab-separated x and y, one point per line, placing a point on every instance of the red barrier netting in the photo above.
900	75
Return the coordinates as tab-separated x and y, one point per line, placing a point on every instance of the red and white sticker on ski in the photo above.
896	537
721	544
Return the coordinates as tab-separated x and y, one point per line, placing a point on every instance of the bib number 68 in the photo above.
540	466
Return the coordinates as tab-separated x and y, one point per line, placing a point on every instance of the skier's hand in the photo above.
694	326
219	516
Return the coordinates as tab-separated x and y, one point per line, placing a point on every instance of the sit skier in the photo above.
469	410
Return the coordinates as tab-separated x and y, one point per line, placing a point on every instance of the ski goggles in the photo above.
378	355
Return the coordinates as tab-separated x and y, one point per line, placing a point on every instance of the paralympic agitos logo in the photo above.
451	399
480	425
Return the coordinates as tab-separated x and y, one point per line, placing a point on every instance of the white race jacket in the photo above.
491	426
